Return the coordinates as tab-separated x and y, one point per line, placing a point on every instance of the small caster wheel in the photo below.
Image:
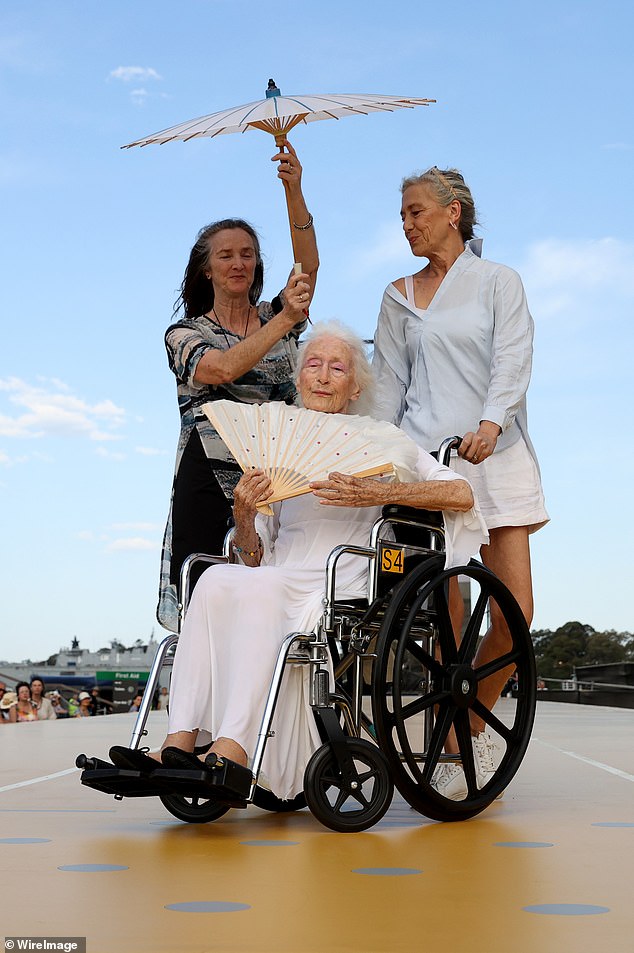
349	805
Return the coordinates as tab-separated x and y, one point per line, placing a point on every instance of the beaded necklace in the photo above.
216	320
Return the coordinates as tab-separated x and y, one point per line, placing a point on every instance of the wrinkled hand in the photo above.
476	447
343	490
253	487
289	169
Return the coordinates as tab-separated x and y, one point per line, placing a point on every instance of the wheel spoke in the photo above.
421	704
470	639
332	780
359	796
465	745
446	636
341	800
421	655
497	664
369	775
493	721
438	737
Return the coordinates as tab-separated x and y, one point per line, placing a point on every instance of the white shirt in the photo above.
465	358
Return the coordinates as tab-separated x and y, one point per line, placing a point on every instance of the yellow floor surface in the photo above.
548	868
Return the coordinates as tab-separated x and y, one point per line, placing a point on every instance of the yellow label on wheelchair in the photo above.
392	558
395	560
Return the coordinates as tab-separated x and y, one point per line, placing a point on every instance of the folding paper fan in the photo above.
295	446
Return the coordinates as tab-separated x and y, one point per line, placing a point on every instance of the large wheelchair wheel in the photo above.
193	809
348	807
425	684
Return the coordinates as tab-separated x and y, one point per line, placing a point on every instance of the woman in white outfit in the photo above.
240	613
453	353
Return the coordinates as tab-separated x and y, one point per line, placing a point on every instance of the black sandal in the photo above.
219	776
133	759
186	760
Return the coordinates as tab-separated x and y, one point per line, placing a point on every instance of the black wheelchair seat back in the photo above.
406	536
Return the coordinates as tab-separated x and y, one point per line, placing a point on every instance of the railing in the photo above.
576	685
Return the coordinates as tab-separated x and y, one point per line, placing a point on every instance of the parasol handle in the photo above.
280	142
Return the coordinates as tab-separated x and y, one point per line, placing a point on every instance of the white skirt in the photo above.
508	487
224	662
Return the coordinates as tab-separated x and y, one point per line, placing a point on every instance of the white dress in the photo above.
239	615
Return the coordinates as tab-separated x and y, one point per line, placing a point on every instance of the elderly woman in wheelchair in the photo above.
272	632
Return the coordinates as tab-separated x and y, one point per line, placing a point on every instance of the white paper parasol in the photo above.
277	115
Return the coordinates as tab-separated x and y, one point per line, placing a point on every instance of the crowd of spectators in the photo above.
31	702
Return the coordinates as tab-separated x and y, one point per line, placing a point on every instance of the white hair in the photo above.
361	367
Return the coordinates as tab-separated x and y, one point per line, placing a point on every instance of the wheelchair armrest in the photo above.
184	588
413	514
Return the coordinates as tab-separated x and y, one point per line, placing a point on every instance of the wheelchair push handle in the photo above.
444	451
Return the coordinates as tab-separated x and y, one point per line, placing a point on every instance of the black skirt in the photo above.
201	513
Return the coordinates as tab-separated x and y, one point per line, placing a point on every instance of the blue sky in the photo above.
534	106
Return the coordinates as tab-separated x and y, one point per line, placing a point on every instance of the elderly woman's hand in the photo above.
253	487
476	447
343	490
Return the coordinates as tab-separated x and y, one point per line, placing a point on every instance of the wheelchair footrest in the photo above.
121	782
225	781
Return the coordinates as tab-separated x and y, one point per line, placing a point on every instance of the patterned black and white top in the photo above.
272	378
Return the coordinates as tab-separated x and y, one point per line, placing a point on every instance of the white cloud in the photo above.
131	544
109	454
134	74
150	452
11	461
133	537
50	409
570	278
56	382
138	527
137	75
139	96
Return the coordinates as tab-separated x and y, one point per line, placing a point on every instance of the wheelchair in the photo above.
398	710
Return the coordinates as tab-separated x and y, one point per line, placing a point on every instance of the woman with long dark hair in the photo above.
228	345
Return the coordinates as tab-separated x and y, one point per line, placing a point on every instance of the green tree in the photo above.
604	647
556	653
574	643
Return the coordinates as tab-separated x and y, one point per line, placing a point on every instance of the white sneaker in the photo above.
449	781
483	749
